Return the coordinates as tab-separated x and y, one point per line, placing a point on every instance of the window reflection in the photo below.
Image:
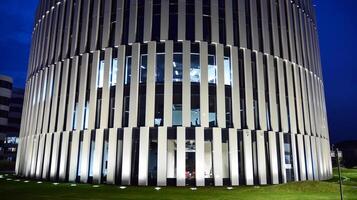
212	69
195	72
143	68
127	70
160	68
177	67
227	71
113	72
100	74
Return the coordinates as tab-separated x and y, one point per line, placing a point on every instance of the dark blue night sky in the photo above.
337	23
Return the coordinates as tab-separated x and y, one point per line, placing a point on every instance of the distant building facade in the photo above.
175	92
11	100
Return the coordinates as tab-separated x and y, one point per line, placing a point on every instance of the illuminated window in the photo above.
100	74
177	67
195	68
113	72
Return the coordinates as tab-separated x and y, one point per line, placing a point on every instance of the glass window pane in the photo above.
227	71
160	68
212	69
195	68
127	70
177	115
143	68
195	117
100	74
177	67
113	72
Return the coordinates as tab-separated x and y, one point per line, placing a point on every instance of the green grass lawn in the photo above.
12	189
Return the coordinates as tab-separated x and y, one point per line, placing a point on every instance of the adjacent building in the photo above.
11	100
175	92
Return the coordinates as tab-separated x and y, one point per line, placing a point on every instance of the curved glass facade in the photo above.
175	92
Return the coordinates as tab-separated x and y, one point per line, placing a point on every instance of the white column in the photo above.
92	105
181	157
273	154
186	84
181	20
40	156
112	155
98	155
150	85
309	169
162	156
34	155
47	156
199	156
214	21
261	91
64	156
235	87
126	163
248	81
106	23
314	158
54	157
148	20
134	86
301	154
133	21
233	156
72	94
261	159
282	97
274	120
82	92
120	22
168	86
217	157
220	89
63	97
143	156
204	85
248	156
229	22
242	24
282	157
74	156
198	21
85	155
104	116
290	85
119	88
164	22
293	151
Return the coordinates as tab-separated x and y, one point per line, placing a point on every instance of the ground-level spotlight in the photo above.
95	186
122	187
157	188
17	180
39	182
26	181
73	185
9	179
55	183
193	188
229	188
